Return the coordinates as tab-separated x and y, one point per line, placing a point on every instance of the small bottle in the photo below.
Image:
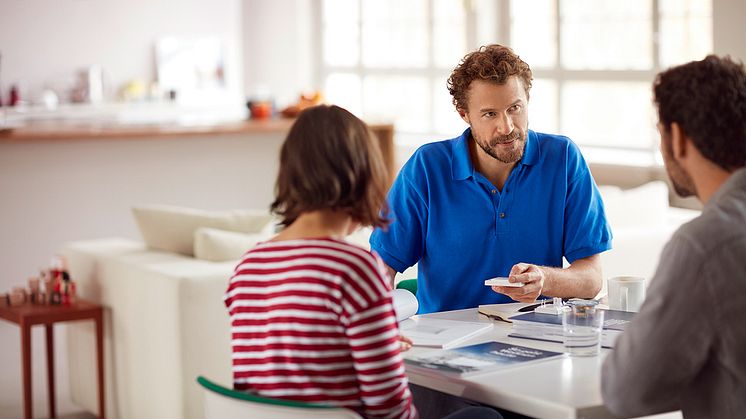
43	299
67	289
14	96
56	294
73	293
34	290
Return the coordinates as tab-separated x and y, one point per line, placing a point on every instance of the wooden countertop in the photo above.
91	130
88	130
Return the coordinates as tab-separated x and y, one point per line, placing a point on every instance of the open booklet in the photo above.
476	359
429	331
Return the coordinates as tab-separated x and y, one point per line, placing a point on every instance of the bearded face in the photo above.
506	148
498	117
682	181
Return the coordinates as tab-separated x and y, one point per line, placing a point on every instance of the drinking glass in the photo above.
582	323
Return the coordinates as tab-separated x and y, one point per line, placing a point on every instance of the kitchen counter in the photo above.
52	130
78	129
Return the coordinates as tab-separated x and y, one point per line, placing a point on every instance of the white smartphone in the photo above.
502	282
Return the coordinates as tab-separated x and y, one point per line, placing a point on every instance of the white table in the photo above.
567	387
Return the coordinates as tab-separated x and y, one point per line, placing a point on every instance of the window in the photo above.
389	60
593	61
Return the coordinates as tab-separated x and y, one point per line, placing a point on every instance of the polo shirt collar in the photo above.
462	167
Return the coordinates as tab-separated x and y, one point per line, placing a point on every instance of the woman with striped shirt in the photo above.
312	316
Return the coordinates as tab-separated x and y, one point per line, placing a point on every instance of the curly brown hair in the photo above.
331	160
707	99
494	63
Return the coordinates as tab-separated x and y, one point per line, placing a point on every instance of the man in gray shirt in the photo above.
686	348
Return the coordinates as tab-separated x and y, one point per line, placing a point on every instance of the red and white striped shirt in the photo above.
312	320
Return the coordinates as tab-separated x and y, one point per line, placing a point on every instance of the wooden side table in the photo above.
29	315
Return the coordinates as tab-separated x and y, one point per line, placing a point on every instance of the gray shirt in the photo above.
686	348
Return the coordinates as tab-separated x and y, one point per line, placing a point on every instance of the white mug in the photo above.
626	293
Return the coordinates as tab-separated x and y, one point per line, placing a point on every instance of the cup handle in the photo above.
625	295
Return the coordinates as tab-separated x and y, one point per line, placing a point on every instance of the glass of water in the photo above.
582	323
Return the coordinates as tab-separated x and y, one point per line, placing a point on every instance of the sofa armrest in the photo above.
165	323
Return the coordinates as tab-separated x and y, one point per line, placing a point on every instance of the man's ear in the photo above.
463	115
679	141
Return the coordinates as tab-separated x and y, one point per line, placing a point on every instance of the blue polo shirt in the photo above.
463	230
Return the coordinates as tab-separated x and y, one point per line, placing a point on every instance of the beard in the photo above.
681	180
494	149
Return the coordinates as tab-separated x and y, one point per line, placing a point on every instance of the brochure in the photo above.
477	359
440	333
613	319
553	334
548	327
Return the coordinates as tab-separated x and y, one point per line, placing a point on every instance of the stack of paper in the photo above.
440	333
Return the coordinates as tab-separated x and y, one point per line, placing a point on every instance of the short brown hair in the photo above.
494	63
707	99
331	160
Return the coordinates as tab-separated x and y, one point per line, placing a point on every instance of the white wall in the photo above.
279	48
53	192
44	43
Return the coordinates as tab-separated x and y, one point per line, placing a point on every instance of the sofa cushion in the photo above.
643	206
360	237
172	228
221	245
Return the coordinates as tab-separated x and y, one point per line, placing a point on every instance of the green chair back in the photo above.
225	403
409	285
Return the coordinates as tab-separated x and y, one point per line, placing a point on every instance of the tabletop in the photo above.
565	387
32	314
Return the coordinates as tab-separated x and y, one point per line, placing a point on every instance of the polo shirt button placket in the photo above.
496	203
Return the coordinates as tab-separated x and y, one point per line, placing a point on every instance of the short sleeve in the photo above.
587	231
402	244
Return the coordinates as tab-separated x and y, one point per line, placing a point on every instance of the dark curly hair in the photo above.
707	99
494	63
331	160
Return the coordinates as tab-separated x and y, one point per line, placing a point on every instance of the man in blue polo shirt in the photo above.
499	200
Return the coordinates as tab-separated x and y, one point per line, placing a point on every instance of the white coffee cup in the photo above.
626	293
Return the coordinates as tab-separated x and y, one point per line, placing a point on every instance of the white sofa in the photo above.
642	223
164	320
166	323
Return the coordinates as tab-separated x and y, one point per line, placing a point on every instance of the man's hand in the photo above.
533	278
582	279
